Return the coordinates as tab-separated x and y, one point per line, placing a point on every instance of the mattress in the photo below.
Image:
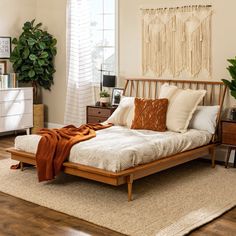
118	148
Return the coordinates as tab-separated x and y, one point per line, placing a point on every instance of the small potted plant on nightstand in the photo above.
232	84
104	98
33	61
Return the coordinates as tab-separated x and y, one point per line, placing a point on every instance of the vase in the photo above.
38	118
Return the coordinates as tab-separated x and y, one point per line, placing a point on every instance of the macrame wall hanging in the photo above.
176	40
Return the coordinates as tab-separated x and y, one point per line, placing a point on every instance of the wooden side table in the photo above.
228	137
97	114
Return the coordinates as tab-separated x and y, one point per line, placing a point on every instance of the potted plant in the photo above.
33	60
231	84
104	98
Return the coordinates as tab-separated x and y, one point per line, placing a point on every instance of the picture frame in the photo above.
116	96
3	67
5	47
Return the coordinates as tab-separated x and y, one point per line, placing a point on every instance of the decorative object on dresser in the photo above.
97	114
104	98
228	137
3	67
5	47
116	96
16	109
33	60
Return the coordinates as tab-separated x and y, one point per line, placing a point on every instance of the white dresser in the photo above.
16	109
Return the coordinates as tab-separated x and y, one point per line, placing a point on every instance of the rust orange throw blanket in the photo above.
55	145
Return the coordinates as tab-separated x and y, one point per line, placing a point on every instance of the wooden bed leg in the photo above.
212	153
21	166
130	184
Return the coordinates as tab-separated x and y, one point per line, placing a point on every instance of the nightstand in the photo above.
96	114
228	137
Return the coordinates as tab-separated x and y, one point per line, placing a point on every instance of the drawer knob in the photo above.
99	112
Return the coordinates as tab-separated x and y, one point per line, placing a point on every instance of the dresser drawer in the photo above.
16	122
15	94
96	119
16	107
229	133
99	112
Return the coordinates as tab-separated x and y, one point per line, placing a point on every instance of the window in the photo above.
102	37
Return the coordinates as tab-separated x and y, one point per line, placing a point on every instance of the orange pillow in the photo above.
150	114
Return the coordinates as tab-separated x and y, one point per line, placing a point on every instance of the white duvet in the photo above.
118	148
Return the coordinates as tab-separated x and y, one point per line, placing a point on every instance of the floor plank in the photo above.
19	217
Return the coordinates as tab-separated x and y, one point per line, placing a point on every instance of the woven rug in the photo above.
172	202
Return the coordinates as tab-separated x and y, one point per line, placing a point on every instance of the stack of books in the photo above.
8	81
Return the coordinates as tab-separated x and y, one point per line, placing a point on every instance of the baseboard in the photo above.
53	125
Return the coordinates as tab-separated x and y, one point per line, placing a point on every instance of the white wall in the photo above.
53	16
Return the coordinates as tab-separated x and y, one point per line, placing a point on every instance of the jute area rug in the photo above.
172	202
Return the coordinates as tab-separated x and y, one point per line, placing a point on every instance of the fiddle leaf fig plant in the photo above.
33	57
232	70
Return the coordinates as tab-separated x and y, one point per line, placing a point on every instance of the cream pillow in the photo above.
120	115
167	91
182	104
181	108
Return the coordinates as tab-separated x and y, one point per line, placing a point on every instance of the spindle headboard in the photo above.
149	88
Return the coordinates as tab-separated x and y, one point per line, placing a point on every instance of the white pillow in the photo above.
182	105
120	115
204	118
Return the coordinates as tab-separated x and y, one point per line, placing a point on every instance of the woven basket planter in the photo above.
38	118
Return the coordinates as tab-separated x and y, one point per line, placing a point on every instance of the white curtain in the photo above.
79	63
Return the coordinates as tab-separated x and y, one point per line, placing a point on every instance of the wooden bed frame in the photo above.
144	88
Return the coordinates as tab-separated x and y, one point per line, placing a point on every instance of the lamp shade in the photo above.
109	81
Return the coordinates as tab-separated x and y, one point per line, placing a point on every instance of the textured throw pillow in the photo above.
182	105
204	118
150	114
119	116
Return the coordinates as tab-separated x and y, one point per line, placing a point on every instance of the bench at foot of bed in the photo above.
126	176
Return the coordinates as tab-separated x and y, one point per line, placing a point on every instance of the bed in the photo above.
121	162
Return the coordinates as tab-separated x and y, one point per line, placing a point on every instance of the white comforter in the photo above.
118	148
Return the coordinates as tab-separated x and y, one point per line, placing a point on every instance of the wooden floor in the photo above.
19	217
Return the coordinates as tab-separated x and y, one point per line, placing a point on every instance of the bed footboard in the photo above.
126	176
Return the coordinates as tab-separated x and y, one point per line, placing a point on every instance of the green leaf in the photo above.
44	55
14	41
54	42
41	62
38	25
232	62
25	67
26	53
32	57
42	45
32	22
27	26
31	41
226	82
54	51
31	73
38	34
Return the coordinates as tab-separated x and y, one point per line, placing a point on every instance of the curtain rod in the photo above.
164	8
